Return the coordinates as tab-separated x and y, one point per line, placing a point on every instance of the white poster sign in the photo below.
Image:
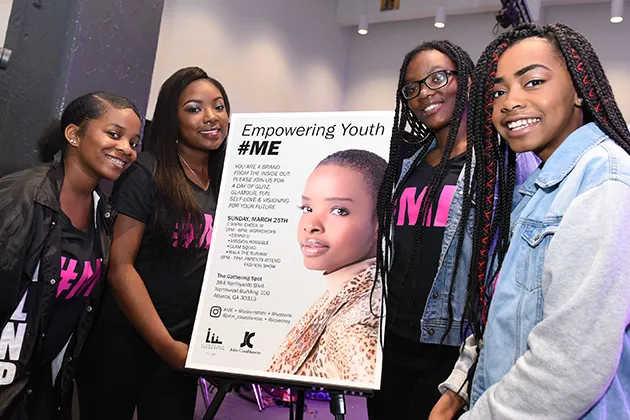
289	292
5	12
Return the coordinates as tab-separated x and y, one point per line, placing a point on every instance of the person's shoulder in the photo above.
145	161
25	175
23	184
370	271
607	161
362	283
618	158
141	171
363	307
19	192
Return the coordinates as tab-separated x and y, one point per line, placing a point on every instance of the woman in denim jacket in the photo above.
556	338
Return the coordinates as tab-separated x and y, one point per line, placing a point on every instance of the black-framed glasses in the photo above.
434	81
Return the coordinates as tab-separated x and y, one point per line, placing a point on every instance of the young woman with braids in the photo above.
166	205
431	102
556	338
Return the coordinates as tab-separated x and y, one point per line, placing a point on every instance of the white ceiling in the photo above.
348	11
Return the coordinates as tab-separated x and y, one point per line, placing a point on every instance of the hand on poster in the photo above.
289	291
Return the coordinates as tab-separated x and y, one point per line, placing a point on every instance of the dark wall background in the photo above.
63	49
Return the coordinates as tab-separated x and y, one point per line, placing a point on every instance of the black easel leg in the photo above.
299	405
338	405
291	405
222	391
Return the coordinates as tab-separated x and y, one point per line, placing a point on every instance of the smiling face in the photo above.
433	108
202	115
106	146
536	106
338	226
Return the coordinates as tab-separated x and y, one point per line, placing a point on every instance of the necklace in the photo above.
201	184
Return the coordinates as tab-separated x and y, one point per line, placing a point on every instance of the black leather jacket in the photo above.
30	242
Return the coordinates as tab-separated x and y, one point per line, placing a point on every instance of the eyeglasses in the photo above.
434	81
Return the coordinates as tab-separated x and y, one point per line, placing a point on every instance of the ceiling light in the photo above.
616	11
440	17
363	25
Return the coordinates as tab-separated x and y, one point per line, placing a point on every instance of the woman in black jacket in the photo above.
166	204
55	230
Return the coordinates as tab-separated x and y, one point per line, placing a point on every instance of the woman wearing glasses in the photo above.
422	334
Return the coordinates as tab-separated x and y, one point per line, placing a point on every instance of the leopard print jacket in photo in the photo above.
337	338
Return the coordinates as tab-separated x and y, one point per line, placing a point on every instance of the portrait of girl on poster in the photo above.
337	337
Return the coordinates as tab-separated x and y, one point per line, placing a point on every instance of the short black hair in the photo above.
370	165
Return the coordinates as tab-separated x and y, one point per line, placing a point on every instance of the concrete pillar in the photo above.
62	49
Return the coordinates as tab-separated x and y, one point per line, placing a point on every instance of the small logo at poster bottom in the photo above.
215	312
212	338
247	340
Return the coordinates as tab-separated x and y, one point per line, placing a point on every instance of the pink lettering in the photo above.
175	235
410	207
204	240
189	235
95	278
206	237
444	206
67	275
87	281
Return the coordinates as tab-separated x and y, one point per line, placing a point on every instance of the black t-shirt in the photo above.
173	281
81	262
408	300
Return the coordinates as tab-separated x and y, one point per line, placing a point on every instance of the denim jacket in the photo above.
434	320
557	341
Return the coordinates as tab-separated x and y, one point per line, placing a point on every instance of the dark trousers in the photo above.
411	374
119	372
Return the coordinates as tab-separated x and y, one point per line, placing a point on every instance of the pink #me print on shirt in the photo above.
407	208
87	272
204	240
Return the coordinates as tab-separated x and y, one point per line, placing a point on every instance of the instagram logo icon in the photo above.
215	312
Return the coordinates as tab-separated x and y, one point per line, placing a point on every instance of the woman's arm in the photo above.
455	388
132	295
457	381
447	406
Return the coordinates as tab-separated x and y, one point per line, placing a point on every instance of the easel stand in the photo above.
224	388
337	403
337	406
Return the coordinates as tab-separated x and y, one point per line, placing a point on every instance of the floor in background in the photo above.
235	407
